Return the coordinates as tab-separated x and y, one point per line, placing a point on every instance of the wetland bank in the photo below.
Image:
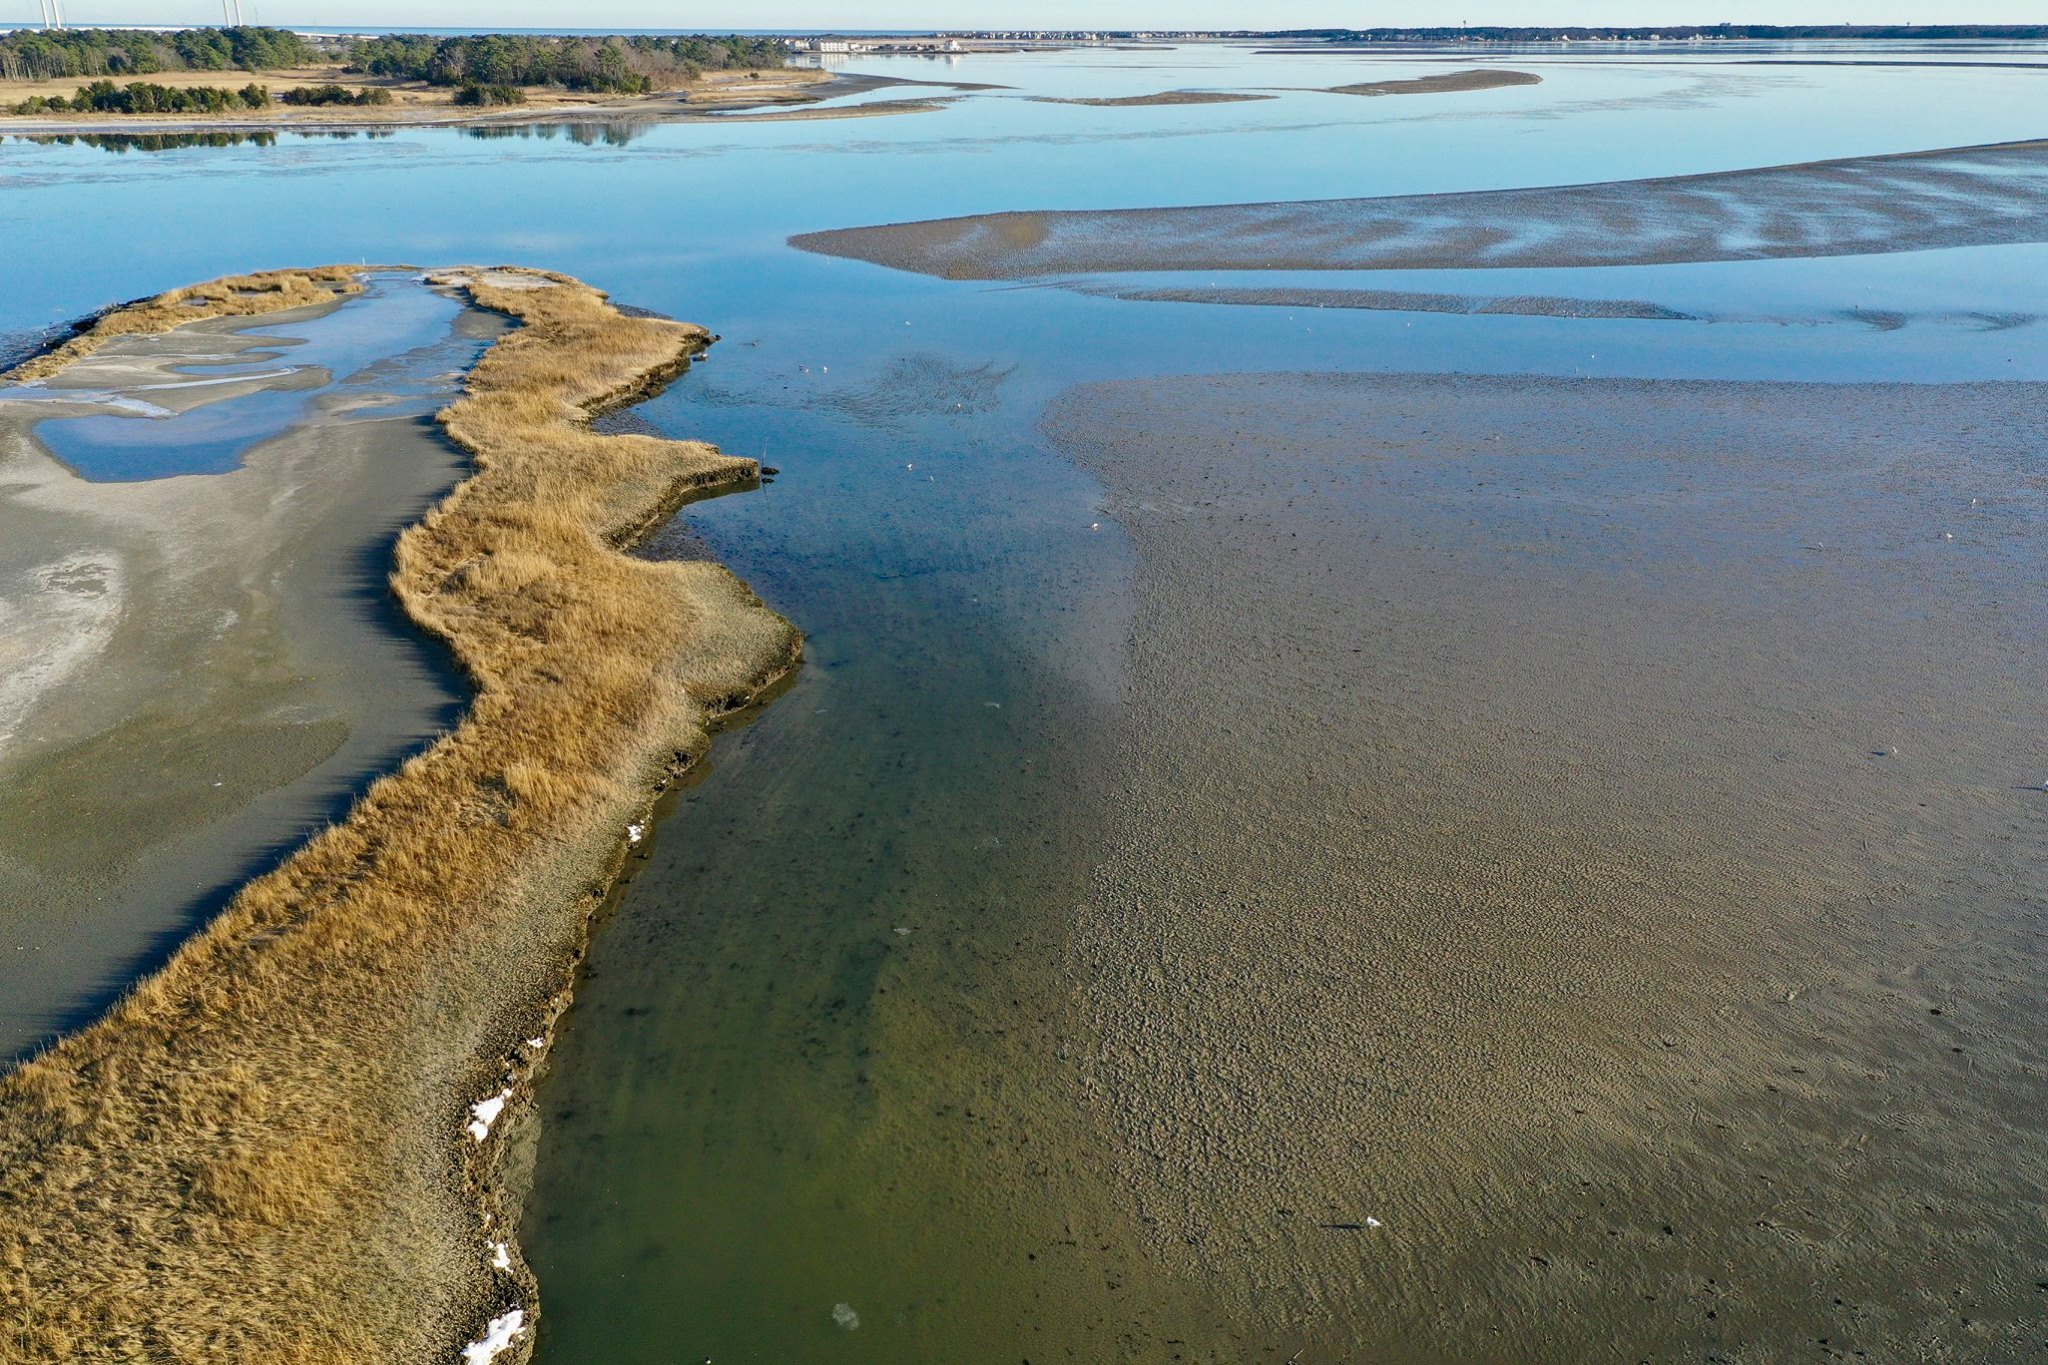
1494	821
302	1065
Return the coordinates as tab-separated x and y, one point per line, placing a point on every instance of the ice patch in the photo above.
484	1113
497	1338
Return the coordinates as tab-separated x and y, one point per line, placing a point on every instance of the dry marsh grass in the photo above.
272	291
259	1155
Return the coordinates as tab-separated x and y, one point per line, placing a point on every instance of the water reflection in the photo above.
590	133
123	143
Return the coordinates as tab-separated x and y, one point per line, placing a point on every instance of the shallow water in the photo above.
769	1103
199	661
389	353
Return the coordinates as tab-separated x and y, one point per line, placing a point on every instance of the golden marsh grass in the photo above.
259	1155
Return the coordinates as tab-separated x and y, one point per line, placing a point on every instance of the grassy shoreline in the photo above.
415	105
287	1144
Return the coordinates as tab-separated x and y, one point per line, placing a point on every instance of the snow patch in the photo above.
497	1338
501	1256
484	1113
635	833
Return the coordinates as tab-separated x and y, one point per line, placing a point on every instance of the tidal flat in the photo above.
200	663
1470	799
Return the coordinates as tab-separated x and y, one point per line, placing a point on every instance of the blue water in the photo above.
395	344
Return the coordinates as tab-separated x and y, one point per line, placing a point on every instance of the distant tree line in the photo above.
1509	34
142	97
621	65
68	53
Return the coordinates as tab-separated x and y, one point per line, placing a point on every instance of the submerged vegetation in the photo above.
261	1154
63	53
620	65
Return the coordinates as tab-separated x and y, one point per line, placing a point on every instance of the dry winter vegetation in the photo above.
261	1154
236	296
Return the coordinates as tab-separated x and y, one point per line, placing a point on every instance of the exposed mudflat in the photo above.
1396	301
1976	196
1449	83
1164	98
1572	863
194	670
805	113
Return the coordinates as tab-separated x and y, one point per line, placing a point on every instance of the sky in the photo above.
953	14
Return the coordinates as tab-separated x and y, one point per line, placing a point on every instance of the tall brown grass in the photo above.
236	296
258	1156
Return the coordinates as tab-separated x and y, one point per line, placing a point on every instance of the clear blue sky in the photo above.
829	14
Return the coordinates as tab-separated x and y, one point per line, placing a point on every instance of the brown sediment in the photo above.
260	1154
1165	97
1449	83
1395	301
1960	196
876	109
1580	827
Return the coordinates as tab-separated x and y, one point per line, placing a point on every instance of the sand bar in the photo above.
1162	99
1971	196
1449	83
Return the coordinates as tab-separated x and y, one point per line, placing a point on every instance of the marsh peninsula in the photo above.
283	1145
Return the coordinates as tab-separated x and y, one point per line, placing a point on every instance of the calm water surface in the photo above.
762	1137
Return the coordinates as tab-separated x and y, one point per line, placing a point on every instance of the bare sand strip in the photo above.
1971	196
1395	301
282	1147
873	109
1449	83
1164	98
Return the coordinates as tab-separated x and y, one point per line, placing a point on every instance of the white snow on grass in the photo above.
497	1338
485	1112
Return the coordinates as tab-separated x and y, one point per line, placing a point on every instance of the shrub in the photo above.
334	95
490	94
